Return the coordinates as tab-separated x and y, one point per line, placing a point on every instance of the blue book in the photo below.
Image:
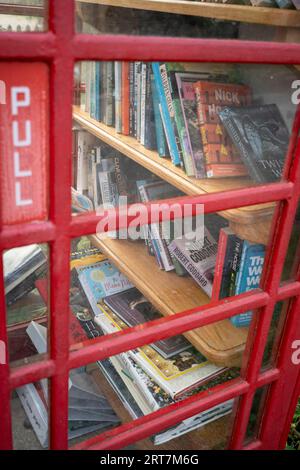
101	279
248	278
167	123
159	130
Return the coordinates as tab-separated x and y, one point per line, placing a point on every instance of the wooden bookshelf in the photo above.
220	342
243	13
252	222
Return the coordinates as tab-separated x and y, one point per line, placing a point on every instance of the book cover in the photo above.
221	156
261	137
177	376
24	146
198	258
100	280
248	278
228	241
134	309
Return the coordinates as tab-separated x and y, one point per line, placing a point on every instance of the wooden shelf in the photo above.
243	13
163	168
220	342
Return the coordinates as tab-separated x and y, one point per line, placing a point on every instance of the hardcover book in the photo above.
248	278
132	307
24	118
221	156
261	137
100	280
198	258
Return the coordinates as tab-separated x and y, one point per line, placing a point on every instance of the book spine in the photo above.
183	138
135	97
88	87
131	99
219	266
238	320
150	138
161	142
156	236
109	101
93	90
35	411
139	102
97	90
107	193
165	115
125	97
238	249
138	380
170	95
118	96
143	102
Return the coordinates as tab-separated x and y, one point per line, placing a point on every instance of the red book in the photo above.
221	156
24	121
125	98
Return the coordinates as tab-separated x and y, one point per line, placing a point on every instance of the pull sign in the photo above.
24	145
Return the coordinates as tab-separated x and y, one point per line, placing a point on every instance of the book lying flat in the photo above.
132	307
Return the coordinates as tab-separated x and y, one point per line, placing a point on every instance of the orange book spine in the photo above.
24	122
125	98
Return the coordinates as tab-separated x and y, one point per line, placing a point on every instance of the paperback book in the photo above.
261	137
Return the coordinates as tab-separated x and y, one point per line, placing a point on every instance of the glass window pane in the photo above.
23	16
236	20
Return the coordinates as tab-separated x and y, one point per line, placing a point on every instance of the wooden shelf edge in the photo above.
242	13
220	342
164	169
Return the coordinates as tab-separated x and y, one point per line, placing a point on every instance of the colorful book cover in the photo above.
24	147
178	375
100	280
248	278
228	241
221	156
134	309
261	137
165	115
198	258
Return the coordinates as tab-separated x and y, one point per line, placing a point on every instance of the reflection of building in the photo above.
26	15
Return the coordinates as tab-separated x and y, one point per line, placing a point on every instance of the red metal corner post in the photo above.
61	23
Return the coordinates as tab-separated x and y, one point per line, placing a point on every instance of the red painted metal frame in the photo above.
60	48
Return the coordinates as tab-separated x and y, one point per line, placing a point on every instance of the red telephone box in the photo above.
59	48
